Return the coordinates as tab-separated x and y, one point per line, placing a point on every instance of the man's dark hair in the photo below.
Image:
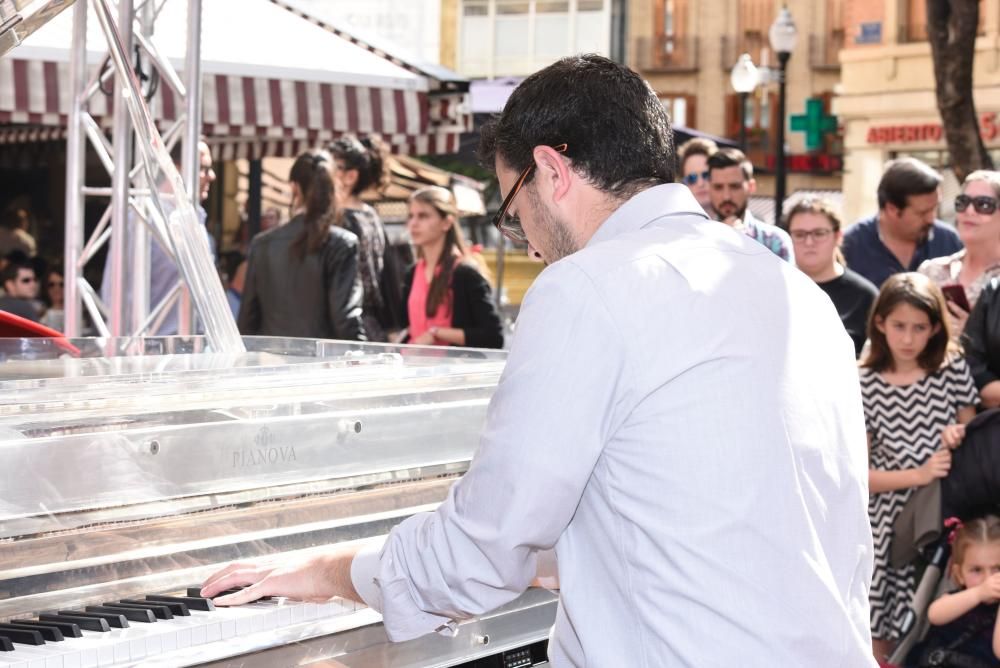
14	266
616	129
731	157
904	177
177	152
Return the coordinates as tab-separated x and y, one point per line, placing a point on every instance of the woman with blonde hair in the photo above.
448	300
964	274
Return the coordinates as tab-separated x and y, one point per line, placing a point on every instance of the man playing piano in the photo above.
664	423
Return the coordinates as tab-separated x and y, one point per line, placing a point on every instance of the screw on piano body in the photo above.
154	447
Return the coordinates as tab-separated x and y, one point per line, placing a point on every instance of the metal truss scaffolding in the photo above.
149	200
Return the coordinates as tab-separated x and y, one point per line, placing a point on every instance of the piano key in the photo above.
85	623
176	608
193	602
114	620
68	629
161	611
49	633
131	614
22	636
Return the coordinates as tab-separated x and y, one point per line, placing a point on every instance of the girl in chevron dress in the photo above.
918	394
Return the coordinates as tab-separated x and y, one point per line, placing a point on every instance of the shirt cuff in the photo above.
364	570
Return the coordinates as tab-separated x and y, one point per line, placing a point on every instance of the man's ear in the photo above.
551	172
752	186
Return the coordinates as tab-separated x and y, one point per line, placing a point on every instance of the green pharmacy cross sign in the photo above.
814	123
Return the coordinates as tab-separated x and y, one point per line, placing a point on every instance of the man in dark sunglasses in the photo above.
660	423
20	287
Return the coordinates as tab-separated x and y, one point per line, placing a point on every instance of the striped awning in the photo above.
246	117
275	81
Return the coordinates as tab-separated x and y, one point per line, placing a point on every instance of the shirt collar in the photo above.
669	199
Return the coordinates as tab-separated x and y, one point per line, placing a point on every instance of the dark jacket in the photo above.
318	296
472	308
981	338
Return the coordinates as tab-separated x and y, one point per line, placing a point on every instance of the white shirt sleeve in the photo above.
560	398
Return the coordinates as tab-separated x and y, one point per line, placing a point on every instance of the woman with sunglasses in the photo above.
977	221
448	300
816	235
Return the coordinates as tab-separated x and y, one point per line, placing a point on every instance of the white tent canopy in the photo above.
274	81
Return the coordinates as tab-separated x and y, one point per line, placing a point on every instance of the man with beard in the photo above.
904	233
658	423
731	182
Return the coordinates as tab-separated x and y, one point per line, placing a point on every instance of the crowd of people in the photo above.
919	301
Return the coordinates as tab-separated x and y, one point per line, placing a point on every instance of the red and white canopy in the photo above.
274	82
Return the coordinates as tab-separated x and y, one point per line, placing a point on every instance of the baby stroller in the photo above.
971	489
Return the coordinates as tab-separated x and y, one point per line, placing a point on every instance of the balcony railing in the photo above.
824	50
665	53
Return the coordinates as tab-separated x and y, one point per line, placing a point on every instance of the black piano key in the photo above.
161	611
68	629
49	633
193	602
6	645
176	607
196	591
114	620
22	636
85	623
131	614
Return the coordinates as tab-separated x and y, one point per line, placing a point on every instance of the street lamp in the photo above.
744	78
783	37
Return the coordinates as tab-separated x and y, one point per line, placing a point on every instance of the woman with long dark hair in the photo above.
448	298
302	278
362	165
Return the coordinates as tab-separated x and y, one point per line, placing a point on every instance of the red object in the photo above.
16	327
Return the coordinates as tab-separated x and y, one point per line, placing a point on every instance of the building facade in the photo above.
687	48
886	100
491	39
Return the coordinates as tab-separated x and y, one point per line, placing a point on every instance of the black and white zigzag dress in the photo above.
905	423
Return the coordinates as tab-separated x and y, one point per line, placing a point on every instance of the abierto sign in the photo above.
921	133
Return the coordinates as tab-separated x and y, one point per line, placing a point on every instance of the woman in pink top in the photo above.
448	300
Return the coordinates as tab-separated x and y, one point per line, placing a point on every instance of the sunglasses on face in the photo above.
26	280
55	284
691	179
510	226
982	204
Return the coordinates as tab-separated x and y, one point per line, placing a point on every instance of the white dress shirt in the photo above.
680	418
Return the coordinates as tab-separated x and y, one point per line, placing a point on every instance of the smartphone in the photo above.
955	293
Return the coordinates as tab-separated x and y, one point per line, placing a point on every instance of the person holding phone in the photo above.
963	275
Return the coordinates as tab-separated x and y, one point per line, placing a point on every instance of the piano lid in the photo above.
137	428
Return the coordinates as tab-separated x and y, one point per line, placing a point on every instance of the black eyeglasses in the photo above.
817	235
510	227
982	204
691	179
27	279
